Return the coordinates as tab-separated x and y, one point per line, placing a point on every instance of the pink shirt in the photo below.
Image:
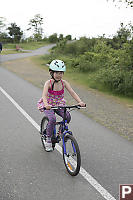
54	98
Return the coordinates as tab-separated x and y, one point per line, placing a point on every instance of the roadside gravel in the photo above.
104	109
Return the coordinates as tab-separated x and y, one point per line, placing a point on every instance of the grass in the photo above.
25	46
39	61
85	80
11	48
33	45
8	51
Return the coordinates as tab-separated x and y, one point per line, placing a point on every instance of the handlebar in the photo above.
66	107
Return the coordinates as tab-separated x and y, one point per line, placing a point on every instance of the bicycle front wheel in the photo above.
71	155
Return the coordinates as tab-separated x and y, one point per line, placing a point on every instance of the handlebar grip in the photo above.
54	108
81	106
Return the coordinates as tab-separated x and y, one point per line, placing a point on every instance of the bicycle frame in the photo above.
64	131
63	123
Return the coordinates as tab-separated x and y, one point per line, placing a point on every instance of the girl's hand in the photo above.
82	104
48	107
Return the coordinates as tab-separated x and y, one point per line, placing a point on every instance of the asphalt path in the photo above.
27	172
40	51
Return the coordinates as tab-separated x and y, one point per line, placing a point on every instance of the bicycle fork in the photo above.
64	146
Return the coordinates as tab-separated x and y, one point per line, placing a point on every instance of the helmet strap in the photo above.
55	81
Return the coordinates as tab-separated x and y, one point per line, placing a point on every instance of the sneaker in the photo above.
48	145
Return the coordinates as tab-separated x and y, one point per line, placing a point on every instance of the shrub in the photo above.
68	37
53	38
71	49
117	80
92	61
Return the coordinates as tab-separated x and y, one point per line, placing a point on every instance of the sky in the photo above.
90	18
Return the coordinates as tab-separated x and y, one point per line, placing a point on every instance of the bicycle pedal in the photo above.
53	145
58	139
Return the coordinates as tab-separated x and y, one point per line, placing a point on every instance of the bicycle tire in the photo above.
44	122
72	162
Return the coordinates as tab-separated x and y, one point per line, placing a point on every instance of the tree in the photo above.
53	38
124	34
68	37
2	24
127	2
4	37
35	24
15	32
61	37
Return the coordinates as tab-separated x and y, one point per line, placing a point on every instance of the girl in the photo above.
53	95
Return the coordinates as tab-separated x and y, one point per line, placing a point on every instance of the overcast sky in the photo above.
88	18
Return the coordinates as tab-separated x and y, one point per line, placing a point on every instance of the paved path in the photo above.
40	51
29	173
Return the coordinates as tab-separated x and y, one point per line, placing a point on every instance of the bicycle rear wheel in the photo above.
71	157
44	123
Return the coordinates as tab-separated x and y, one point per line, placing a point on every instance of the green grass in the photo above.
5	52
11	48
25	46
33	45
8	51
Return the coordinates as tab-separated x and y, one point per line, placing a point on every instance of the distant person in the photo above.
53	95
0	47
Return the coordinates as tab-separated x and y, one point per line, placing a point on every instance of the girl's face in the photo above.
58	75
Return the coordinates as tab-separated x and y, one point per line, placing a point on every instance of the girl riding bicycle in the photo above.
53	95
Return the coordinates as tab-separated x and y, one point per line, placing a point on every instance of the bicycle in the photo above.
70	148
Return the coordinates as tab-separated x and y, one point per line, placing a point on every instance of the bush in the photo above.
121	58
71	49
90	61
117	80
78	47
68	37
53	38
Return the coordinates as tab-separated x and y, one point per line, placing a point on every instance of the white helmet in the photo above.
57	65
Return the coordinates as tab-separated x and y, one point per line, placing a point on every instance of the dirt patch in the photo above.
102	108
27	70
